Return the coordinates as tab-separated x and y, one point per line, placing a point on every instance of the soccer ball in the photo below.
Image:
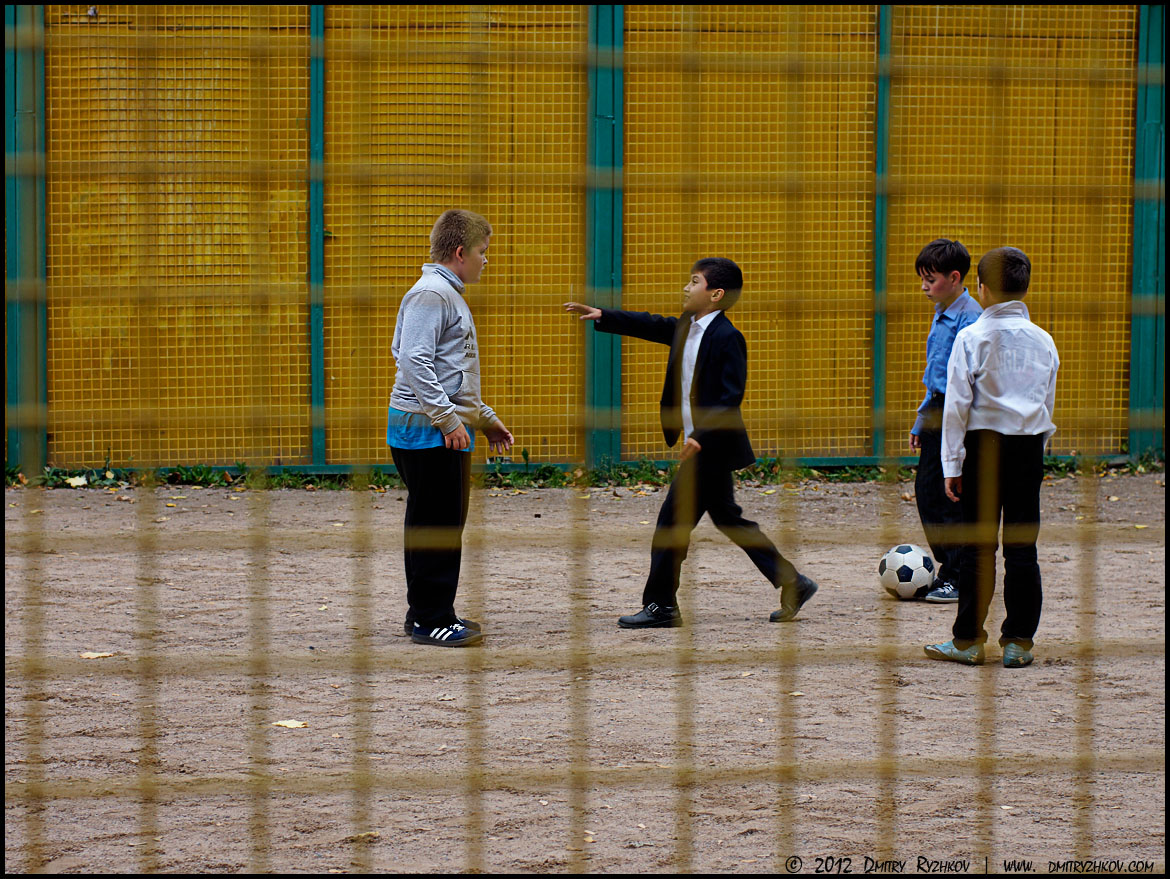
906	571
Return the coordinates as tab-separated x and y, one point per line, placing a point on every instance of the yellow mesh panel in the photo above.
449	107
177	143
733	151
1013	125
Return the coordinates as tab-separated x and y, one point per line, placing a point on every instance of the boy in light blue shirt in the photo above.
942	265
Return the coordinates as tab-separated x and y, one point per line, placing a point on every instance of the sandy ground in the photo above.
729	745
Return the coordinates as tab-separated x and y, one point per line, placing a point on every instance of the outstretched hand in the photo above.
499	437
587	312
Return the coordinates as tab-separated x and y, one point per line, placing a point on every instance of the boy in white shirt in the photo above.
1001	390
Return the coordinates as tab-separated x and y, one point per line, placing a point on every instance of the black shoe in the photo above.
408	626
454	635
652	616
792	598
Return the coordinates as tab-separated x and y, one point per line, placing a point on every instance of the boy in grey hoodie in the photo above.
434	409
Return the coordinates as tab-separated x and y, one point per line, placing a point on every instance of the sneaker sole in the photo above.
665	624
435	642
941	600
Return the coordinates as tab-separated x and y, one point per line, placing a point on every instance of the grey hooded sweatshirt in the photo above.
437	354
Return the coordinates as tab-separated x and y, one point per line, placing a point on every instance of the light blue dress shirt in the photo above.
963	312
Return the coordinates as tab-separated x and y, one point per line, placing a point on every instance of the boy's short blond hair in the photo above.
454	228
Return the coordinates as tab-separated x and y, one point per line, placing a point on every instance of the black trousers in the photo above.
438	485
699	487
1001	478
940	516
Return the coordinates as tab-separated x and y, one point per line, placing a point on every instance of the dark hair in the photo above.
943	256
721	272
1006	270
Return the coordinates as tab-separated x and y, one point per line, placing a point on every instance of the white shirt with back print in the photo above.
1001	377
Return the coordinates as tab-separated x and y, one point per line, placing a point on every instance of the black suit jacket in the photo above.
716	388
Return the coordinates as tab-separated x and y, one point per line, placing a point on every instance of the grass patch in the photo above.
766	471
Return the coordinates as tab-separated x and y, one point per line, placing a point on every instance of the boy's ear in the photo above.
717	294
459	251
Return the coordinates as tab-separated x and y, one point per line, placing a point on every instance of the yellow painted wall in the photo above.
177	210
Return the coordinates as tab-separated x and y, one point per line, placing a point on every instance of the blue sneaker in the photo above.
948	652
453	635
1015	656
944	593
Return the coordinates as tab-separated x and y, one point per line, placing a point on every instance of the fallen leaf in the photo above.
543	802
77	481
796	693
582	497
1114	497
171	505
747	674
338	524
1007	808
368	837
644	522
91	655
109	474
323	607
291	724
769	491
446	698
1140	527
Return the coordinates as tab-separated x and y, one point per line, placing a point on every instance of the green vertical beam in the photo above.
26	388
881	228
603	351
1148	324
317	233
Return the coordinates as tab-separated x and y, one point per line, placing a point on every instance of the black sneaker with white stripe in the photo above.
408	626
453	635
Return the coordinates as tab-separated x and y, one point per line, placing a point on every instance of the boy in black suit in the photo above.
705	378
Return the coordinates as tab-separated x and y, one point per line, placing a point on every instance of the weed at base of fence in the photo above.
766	471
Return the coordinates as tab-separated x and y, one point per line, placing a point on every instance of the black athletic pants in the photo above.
438	485
940	516
1001	477
700	487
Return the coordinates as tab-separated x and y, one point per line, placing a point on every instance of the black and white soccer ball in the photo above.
906	571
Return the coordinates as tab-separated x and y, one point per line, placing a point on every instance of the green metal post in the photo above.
603	352
26	410
1148	325
317	232
880	228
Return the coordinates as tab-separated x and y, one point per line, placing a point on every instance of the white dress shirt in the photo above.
1001	377
690	355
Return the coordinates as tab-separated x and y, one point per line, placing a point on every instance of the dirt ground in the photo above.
729	745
